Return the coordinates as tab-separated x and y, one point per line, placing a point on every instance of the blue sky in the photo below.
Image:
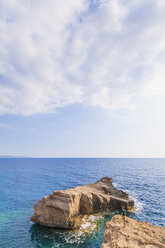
82	78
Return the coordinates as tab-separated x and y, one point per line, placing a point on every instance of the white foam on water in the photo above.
138	204
95	218
115	184
45	236
88	227
92	218
72	237
56	245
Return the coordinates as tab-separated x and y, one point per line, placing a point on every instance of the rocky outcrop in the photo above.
65	209
135	234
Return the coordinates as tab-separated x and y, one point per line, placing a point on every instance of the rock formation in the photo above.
65	209
135	234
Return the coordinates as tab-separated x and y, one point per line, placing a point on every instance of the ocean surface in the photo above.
23	181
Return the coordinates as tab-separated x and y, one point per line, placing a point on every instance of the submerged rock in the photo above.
65	209
135	234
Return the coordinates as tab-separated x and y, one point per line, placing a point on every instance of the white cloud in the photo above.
100	53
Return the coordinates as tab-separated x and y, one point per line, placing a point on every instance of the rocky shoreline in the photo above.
68	209
136	234
65	209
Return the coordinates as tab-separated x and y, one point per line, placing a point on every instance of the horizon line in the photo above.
13	156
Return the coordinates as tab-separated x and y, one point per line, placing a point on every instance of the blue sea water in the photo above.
25	181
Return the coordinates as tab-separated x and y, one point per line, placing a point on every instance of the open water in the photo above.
25	181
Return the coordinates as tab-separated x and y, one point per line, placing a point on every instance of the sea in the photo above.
23	181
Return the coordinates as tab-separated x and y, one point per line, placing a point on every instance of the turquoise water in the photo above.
24	181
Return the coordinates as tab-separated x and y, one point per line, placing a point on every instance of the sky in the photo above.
82	78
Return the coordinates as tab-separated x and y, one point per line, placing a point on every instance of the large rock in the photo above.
64	209
136	234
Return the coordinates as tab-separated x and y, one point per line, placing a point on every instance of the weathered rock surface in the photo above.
64	209
135	234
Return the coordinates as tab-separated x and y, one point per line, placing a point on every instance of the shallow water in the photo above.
24	181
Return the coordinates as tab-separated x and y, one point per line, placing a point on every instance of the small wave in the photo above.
88	227
76	238
138	204
115	184
90	223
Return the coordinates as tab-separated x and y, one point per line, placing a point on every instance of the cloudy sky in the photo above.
82	78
